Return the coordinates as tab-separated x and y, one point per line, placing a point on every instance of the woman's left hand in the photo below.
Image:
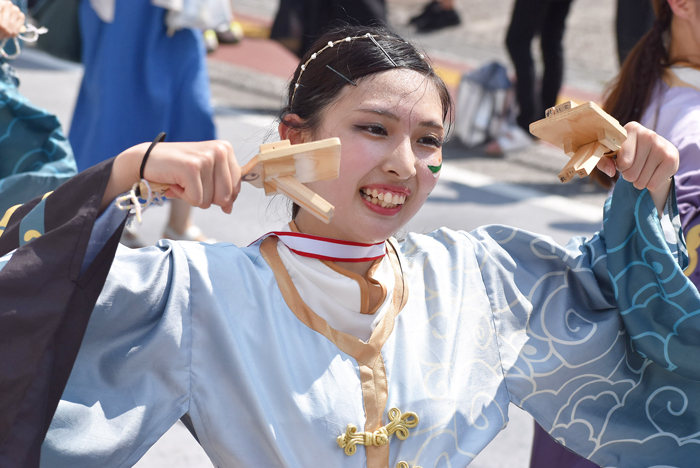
647	160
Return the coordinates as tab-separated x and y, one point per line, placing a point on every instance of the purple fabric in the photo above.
688	192
546	453
675	114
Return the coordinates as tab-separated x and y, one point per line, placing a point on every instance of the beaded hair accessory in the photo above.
332	44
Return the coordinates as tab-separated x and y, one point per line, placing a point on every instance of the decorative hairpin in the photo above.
382	49
341	75
331	44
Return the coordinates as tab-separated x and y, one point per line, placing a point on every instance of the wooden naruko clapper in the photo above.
281	167
585	132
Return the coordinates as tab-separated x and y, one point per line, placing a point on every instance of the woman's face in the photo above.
390	128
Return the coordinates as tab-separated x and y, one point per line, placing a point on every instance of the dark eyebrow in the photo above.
392	116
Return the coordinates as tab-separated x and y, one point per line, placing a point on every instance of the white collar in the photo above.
688	76
324	248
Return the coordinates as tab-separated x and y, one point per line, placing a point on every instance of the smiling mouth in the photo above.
383	198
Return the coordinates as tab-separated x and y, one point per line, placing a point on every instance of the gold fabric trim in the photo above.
6	218
367	354
399	425
375	393
364	288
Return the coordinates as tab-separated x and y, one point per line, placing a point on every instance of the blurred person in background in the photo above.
140	79
228	32
546	18
35	156
298	23
633	18
437	14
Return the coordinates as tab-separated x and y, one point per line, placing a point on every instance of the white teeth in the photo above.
384	199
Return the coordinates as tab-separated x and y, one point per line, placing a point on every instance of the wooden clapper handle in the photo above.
585	132
281	167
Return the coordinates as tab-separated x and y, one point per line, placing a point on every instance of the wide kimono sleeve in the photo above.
131	379
48	287
599	339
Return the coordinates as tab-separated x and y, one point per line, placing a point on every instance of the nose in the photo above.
401	162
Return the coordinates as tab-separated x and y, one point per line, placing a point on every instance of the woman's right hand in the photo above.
11	19
201	173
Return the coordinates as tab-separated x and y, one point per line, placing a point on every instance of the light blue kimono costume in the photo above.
597	340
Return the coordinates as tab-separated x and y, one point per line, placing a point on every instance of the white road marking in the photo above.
555	203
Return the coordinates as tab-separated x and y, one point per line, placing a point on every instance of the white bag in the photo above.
484	104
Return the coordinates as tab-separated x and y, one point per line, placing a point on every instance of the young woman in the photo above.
277	358
659	86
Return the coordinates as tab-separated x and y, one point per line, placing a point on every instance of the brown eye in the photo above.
373	129
431	141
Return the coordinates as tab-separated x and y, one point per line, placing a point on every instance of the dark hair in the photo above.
319	85
334	68
629	94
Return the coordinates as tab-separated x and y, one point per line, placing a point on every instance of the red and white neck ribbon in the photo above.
324	248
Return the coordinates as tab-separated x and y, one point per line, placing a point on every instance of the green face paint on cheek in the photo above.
435	169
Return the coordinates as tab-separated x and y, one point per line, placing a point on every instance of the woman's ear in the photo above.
288	132
682	8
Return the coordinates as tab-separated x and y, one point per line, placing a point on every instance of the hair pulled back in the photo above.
319	86
631	91
629	94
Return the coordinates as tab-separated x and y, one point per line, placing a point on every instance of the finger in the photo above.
657	163
668	161
633	164
660	179
174	191
223	183
206	176
625	156
646	172
607	165
191	181
235	171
